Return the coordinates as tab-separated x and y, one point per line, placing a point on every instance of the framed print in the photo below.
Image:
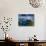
26	19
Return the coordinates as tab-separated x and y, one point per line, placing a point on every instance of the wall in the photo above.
11	8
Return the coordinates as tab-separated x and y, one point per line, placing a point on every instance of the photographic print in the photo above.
26	19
